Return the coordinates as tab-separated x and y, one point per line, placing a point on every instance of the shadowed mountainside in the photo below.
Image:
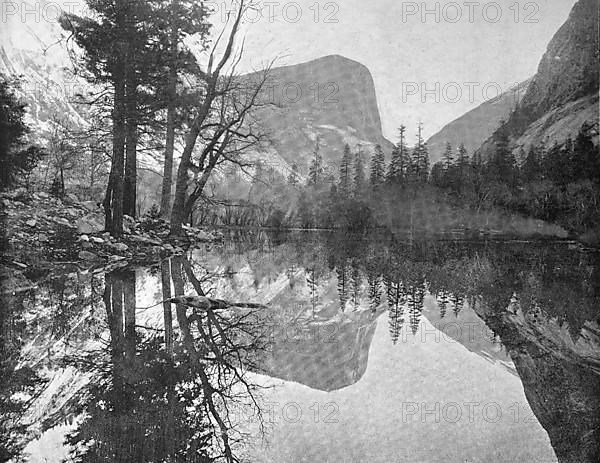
476	126
564	92
331	98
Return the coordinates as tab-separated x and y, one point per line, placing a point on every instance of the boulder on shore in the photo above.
89	224
86	255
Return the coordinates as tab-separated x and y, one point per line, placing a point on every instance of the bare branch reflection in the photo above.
165	393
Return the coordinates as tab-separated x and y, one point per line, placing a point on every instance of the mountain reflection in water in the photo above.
367	349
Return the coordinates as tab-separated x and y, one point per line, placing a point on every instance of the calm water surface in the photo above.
337	349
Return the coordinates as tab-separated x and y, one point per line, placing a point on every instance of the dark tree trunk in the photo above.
108	200
182	207
180	210
62	182
179	213
167	183
130	180
165	271
113	202
129	312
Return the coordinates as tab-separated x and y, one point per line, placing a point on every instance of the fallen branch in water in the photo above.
205	303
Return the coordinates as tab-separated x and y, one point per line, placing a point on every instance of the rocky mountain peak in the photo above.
563	95
331	99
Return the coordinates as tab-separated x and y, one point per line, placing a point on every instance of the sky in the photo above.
430	61
430	67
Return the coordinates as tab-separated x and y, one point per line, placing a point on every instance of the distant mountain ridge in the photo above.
332	99
549	107
476	126
563	94
569	69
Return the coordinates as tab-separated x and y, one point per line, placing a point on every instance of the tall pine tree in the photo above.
400	161
448	157
346	172
420	157
531	168
293	177
462	162
117	42
315	171
359	173
377	167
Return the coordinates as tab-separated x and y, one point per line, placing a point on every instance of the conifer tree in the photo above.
343	278
463	156
293	177
399	164
393	173
395	301
552	164
585	158
462	162
346	172
502	164
356	283
374	283
448	157
15	157
415	308
531	169
117	45
458	302
377	167
315	171
420	157
359	173
443	302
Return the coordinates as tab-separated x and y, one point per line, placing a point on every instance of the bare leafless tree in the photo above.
222	125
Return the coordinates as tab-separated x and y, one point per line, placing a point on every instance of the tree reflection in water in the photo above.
166	394
19	382
167	383
540	300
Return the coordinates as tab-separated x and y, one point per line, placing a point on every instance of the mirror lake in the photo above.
316	347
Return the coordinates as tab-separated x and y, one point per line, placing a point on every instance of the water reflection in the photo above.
160	393
160	380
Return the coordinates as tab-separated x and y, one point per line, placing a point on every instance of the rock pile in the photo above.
41	229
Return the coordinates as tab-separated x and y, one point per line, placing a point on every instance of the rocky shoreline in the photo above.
42	232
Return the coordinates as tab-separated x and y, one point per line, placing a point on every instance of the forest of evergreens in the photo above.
558	184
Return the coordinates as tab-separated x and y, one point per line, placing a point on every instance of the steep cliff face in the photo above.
569	69
327	356
476	126
560	372
32	50
564	399
564	92
331	99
